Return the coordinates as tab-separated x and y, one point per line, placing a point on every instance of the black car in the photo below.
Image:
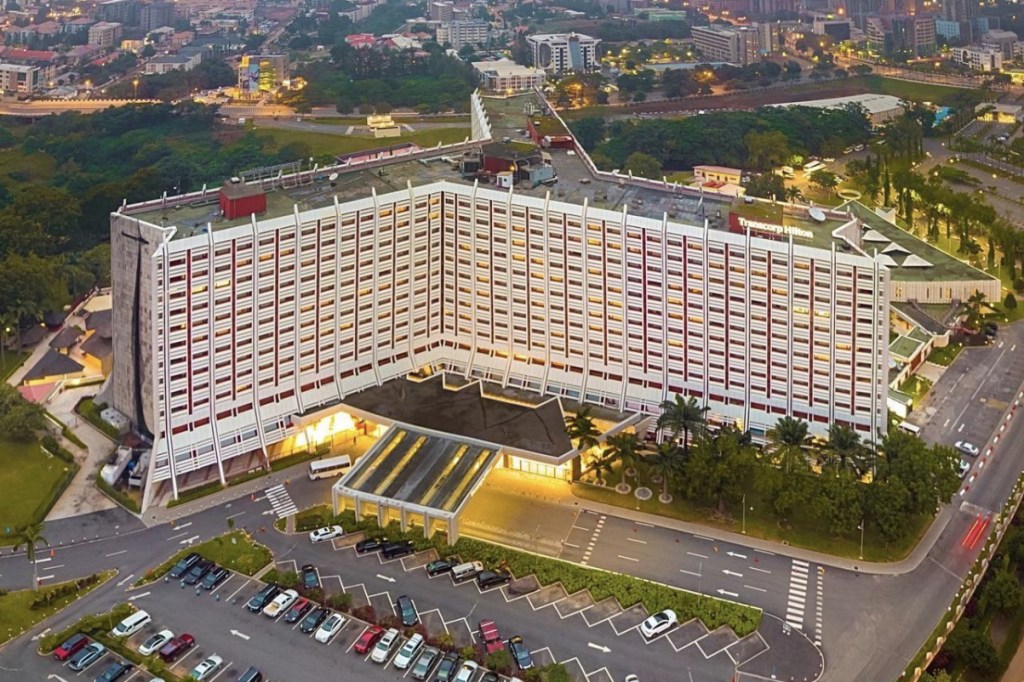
313	619
520	653
487	579
490	677
990	329
393	550
216	576
407	611
115	671
198	572
310	578
263	597
184	564
448	668
439	566
370	545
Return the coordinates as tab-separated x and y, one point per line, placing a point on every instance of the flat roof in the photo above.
874	103
807	231
466	411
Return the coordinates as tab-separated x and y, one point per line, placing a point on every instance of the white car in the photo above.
326	533
409	651
156	642
658	623
965	468
967	448
329	628
467	671
207	668
280	604
384	646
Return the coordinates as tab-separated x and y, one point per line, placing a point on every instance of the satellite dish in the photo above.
332	177
817	214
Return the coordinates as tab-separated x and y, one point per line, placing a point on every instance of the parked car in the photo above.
325	533
313	619
467	671
425	662
184	565
280	604
298	610
407	654
964	468
207	668
156	642
439	566
71	646
520	653
967	448
393	550
370	545
176	647
114	671
407	611
263	597
198	571
490	637
216	576
86	656
368	638
310	578
330	627
448	667
487	579
658	623
490	677
385	644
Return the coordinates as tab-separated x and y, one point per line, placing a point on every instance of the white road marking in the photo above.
569	544
240	635
138	596
45	577
599	647
683	570
43	561
123	551
628	558
189	541
758	589
184	525
759	570
699	556
642	542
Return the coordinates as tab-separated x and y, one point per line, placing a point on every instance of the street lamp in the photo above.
861	555
136	84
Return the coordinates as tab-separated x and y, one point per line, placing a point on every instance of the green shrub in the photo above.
249	476
196	493
90	625
340	601
91	411
49	596
122	498
54	448
292	460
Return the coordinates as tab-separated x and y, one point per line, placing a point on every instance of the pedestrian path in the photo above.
281	501
797	601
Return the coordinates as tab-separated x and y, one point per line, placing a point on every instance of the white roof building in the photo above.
880	108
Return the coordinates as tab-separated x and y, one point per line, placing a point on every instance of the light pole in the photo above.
136	84
744	513
861	555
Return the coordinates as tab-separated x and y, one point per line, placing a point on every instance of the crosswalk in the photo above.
281	501
797	602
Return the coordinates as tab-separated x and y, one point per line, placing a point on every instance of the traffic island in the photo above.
22	610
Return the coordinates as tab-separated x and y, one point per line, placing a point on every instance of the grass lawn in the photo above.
11	361
912	90
26	469
236	551
916	387
16	616
325	143
944	356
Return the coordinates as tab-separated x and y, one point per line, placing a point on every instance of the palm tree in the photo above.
28	537
789	439
846	449
625	447
600	466
682	417
974	303
793	193
666	461
580	428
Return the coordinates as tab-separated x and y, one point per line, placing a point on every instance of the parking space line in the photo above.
356	639
222	671
232	596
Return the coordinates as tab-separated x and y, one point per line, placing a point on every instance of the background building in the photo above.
124	12
20	78
738	45
1000	40
560	52
962	12
156	15
461	33
983	59
506	76
105	34
261	73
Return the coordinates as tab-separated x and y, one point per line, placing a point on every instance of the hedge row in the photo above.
196	493
51	446
53	594
122	498
90	411
299	458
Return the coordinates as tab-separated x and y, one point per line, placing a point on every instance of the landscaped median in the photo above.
628	590
236	551
20	611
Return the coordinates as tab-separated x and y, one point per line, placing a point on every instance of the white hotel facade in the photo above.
223	337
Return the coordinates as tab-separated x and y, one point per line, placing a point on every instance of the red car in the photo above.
490	636
71	647
176	647
368	638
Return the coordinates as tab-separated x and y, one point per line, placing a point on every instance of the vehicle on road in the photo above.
298	610
439	566
310	578
207	668
313	619
263	597
198	572
71	646
909	428
370	545
368	639
407	611
216	576
114	671
490	637
280	604
393	550
87	656
176	647
385	644
330	627
486	579
658	623
184	565
448	667
325	533
520	654
407	654
156	642
425	662
467	671
967	448
964	468
332	467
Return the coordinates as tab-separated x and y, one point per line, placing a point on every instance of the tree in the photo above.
824	179
625	447
643	165
768	186
666	461
717	465
28	537
20	420
588	131
887	502
974	648
1010	302
789	439
1001	592
766	149
601	465
580	428
845	449
683	417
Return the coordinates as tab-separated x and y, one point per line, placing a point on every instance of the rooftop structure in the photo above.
505	76
561	52
880	108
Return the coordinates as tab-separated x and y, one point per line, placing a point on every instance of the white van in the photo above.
467	570
130	625
909	428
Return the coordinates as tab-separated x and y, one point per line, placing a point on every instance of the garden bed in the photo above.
236	551
16	608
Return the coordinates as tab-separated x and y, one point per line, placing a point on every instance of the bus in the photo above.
909	428
331	467
813	166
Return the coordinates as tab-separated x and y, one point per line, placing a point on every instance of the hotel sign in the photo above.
757	228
